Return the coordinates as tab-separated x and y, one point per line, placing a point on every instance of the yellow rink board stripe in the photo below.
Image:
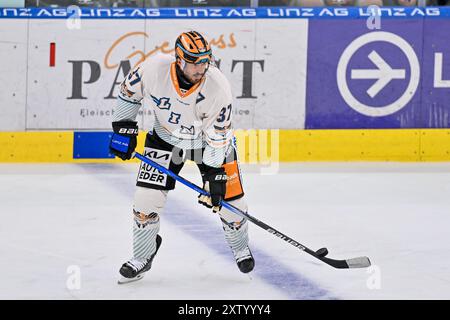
262	146
335	145
36	146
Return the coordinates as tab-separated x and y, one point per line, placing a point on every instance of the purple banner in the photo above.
436	74
361	78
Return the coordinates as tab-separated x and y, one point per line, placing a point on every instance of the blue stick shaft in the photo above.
361	262
223	203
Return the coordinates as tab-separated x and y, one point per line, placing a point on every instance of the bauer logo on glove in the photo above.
129	131
221	177
215	181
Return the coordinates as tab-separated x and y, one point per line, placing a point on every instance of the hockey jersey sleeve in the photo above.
130	96
218	132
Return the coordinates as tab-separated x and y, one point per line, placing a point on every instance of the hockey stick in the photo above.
359	262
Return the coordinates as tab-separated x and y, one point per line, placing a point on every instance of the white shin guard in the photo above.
234	226
148	204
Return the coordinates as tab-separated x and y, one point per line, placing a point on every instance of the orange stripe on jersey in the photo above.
173	76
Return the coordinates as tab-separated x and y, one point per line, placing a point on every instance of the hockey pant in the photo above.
152	187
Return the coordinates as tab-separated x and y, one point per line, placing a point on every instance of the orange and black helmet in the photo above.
192	47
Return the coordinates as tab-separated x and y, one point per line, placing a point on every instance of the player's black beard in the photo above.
183	82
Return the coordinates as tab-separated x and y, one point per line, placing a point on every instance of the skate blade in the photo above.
124	280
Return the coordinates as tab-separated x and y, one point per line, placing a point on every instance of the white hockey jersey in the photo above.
199	117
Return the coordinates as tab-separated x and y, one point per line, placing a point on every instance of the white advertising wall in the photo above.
13	71
265	61
73	94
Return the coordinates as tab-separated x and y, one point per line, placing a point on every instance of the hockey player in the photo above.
192	104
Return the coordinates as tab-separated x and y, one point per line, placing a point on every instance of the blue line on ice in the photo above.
267	268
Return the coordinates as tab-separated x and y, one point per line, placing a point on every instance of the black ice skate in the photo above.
245	260
135	269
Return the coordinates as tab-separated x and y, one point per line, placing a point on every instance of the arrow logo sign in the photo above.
384	74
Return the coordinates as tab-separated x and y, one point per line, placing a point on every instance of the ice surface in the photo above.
58	219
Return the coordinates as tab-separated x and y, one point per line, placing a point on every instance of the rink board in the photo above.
254	146
298	97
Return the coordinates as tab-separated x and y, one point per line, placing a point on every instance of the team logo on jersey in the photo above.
174	118
186	130
162	103
200	97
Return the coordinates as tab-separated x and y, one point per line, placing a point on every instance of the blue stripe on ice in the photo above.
267	267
